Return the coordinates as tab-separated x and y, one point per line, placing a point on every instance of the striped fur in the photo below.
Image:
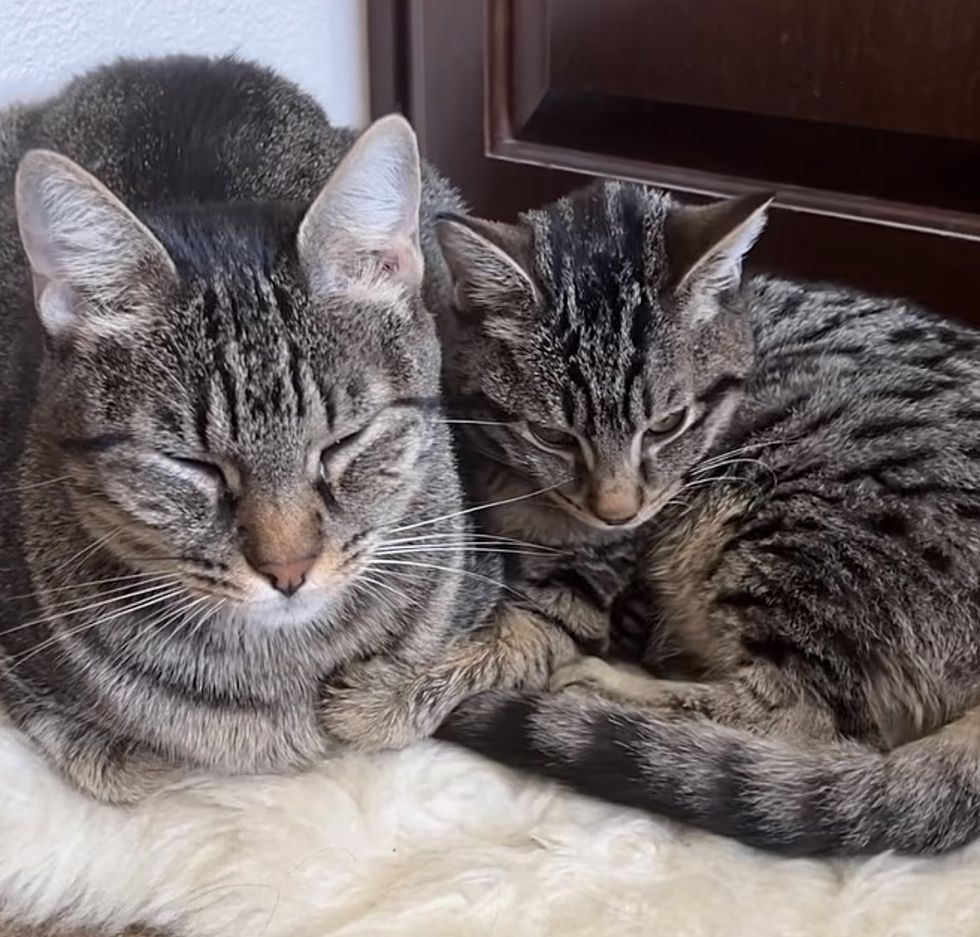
812	553
234	395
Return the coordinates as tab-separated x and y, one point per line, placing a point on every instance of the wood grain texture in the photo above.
898	65
563	100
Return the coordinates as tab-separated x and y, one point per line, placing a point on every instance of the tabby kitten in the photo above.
232	519
803	466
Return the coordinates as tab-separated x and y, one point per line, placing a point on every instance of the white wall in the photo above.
321	44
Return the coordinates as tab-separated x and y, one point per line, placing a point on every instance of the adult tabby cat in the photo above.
803	466
229	505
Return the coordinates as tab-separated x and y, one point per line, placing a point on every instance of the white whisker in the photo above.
125	580
470	539
381	584
475	422
48	642
472	535
721	456
208	615
478	507
31	485
448	569
462	548
60	636
181	615
82	606
73	561
746	461
733	461
368	586
701	482
133	640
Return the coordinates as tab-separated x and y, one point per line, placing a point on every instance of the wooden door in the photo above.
863	115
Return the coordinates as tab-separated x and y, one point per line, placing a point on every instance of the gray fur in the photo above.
810	543
231	390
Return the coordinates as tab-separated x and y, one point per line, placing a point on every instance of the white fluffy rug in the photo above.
432	842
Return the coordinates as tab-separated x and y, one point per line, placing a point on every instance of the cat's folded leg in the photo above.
586	621
382	704
757	696
585	593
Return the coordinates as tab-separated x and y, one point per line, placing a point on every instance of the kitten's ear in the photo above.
91	258
707	243
489	263
364	224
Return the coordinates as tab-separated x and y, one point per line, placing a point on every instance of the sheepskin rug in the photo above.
431	842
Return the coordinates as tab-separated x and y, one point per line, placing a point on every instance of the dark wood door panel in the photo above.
898	65
877	174
859	108
816	101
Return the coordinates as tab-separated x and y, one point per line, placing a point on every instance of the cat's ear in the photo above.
91	258
707	243
489	264
364	224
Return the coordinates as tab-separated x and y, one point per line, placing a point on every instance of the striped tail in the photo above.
771	793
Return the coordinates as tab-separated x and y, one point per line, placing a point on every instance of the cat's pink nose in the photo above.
615	505
287	577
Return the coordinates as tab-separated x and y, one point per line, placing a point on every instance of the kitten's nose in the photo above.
615	505
287	577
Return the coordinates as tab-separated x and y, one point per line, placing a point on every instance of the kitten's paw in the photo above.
584	673
595	676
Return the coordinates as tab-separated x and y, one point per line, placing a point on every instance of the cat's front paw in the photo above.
372	716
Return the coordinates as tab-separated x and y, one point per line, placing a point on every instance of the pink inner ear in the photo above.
401	262
391	262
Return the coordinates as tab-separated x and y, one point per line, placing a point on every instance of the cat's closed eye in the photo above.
336	459
552	437
339	446
204	468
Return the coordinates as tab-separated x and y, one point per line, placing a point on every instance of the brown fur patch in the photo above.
681	566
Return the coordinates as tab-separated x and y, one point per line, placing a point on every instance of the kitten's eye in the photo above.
552	436
211	470
666	424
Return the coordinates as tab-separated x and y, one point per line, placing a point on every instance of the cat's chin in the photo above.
278	613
